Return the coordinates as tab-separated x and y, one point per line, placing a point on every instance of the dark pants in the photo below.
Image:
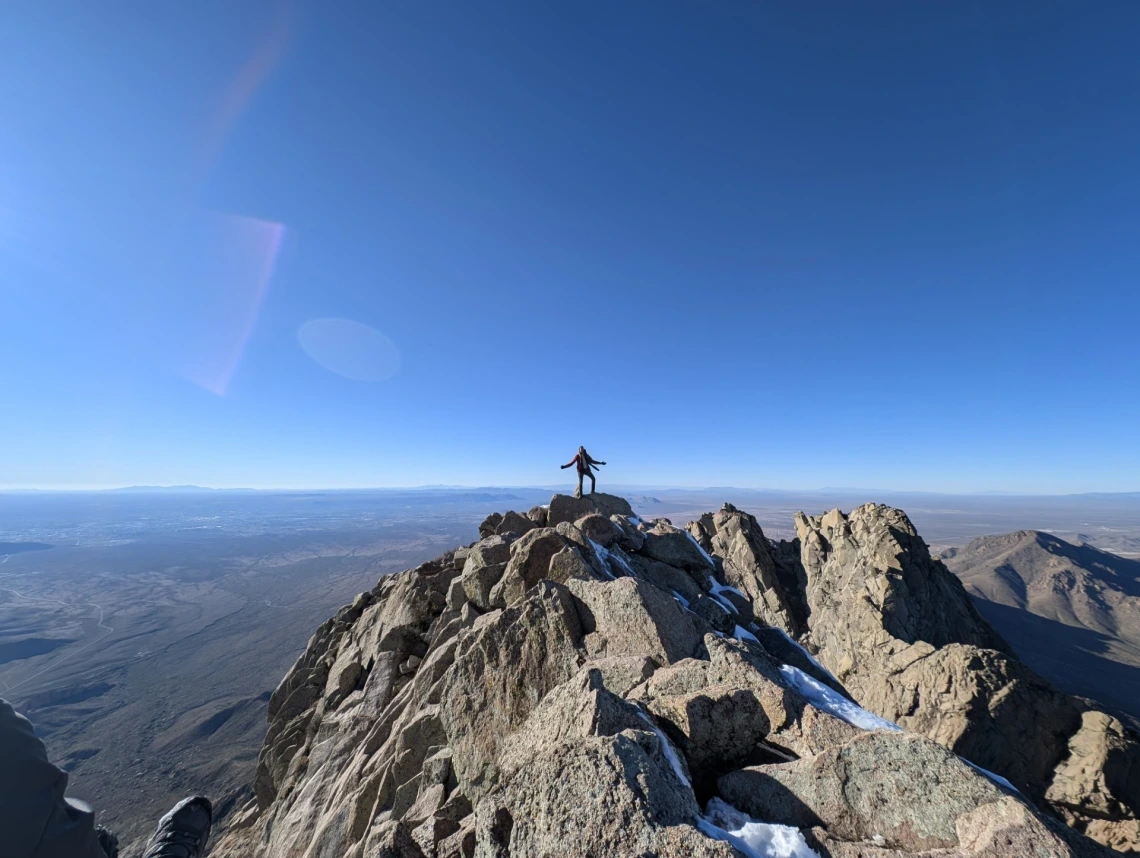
593	482
36	821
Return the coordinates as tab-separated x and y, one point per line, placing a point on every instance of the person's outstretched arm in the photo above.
594	461
571	463
35	819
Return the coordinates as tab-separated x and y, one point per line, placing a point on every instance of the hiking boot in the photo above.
183	832
108	841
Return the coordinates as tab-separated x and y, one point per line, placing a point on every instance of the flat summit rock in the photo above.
569	508
581	682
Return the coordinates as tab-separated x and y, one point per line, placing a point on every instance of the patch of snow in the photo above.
997	779
750	836
704	553
742	634
633	519
684	603
668	749
618	555
604	555
724	603
831	701
716	588
879	840
834	703
801	648
719	588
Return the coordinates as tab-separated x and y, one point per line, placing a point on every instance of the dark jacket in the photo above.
583	463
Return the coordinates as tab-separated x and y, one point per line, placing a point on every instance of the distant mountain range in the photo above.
628	489
150	489
1071	611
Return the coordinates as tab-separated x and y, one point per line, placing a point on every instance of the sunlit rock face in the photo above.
582	682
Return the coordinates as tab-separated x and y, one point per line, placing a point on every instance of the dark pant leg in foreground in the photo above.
36	821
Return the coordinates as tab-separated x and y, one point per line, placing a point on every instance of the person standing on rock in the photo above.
583	460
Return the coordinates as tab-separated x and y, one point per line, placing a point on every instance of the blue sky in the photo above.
738	243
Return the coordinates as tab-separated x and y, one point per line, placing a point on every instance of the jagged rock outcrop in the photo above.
902	635
749	566
580	682
1097	786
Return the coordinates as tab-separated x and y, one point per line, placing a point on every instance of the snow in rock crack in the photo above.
719	588
834	703
829	700
997	779
668	749
750	836
684	602
742	634
715	590
605	555
704	553
616	554
801	648
724	822
724	603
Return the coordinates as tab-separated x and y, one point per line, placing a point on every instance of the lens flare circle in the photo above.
350	348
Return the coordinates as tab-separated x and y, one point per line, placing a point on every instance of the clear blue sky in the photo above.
734	243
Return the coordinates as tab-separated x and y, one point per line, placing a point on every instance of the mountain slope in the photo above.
1071	611
581	682
1077	585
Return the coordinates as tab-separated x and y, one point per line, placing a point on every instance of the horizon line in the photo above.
188	488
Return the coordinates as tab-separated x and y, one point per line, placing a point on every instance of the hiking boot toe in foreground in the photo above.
183	832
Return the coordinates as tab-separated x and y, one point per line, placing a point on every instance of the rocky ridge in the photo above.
582	682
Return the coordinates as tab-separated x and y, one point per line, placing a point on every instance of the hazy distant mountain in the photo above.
644	500
1077	585
1072	611
153	489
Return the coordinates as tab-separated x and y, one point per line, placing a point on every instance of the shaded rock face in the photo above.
580	682
1096	788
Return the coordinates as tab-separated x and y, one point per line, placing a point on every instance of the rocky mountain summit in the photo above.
581	682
